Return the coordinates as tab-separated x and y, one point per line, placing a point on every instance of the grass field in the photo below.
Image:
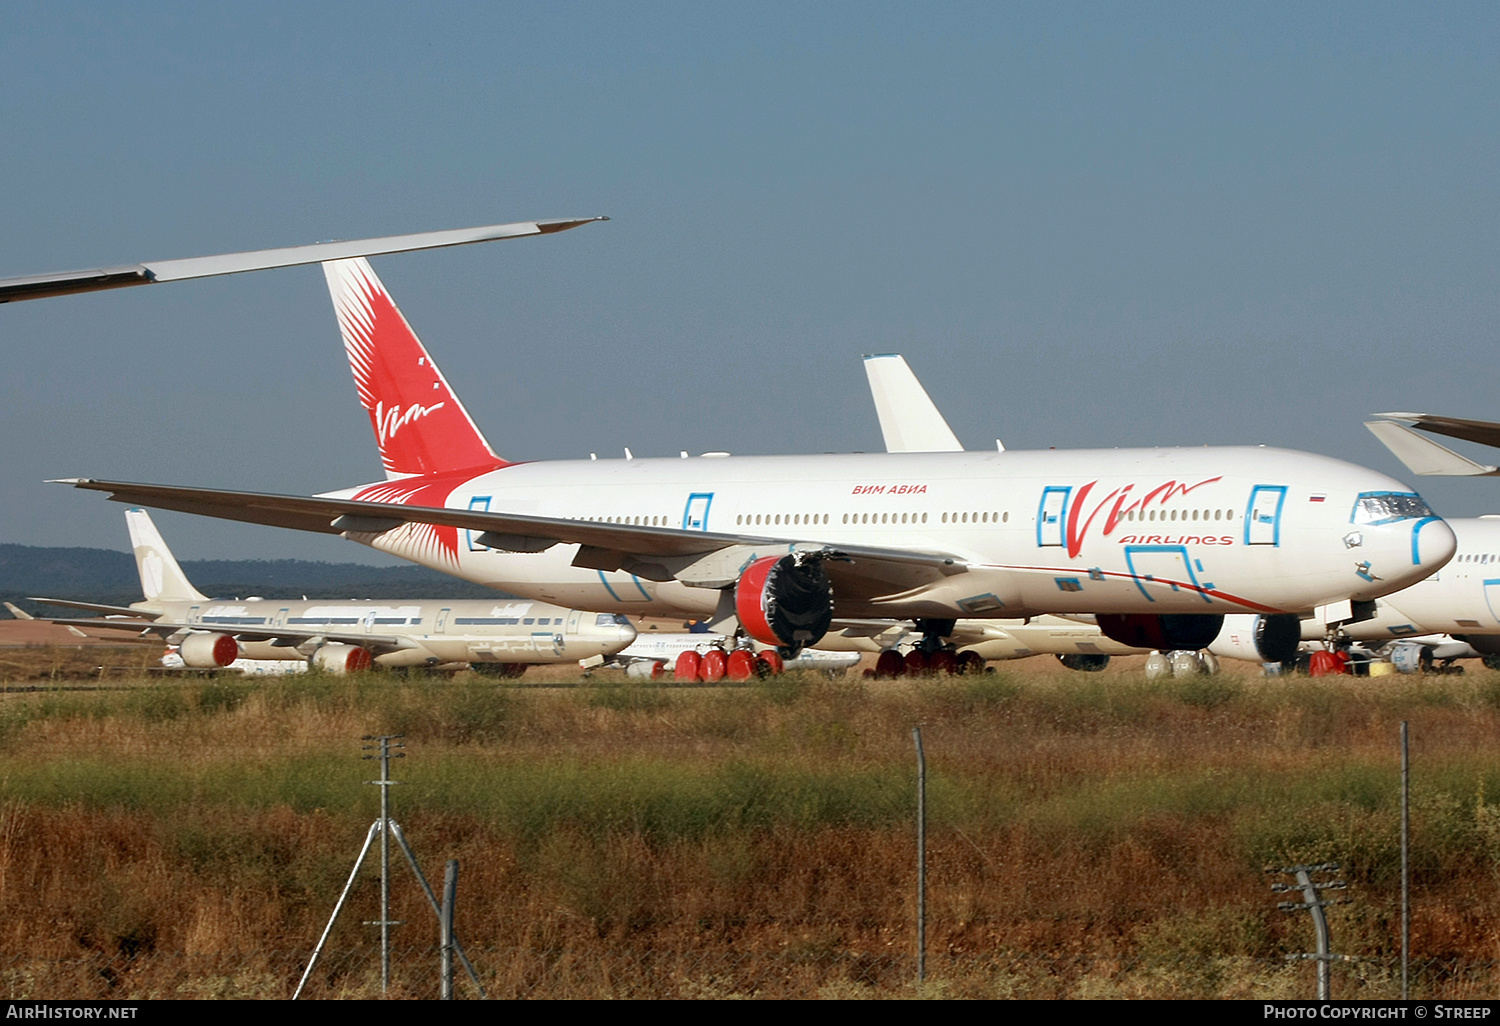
1090	835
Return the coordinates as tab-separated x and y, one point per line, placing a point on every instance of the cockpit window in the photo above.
606	619
1388	507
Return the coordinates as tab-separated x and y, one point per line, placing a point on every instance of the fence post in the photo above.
916	735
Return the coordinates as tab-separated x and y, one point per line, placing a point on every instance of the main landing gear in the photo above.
929	657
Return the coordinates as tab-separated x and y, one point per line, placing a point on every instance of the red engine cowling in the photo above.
1165	632
785	601
208	651
338	658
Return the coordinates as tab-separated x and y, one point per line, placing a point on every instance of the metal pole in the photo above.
1320	928
432	900
1405	862
384	783
916	736
445	926
385	866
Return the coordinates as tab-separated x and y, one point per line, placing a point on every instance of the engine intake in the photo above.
786	601
1165	632
1260	639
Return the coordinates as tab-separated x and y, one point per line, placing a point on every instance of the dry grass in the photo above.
1091	835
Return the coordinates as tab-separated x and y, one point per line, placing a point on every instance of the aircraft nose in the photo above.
1414	549
1433	543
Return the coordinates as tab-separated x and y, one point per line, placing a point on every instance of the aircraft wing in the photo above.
65	283
655	553
95	607
376	643
1482	431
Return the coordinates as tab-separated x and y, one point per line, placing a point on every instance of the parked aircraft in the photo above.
502	636
1159	542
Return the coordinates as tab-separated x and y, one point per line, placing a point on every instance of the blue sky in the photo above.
1084	225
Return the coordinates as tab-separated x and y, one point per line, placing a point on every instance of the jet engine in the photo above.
339	659
1088	662
1165	632
1259	639
208	651
786	601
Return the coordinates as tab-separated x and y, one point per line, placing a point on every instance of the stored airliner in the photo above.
502	636
1159	542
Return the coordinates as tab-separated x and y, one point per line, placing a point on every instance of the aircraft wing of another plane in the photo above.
376	643
65	283
1425	457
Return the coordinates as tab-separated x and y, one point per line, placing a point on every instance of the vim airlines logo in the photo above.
388	422
1118	506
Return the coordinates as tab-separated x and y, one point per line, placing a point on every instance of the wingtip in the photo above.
563	224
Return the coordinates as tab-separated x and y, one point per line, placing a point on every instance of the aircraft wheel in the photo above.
970	662
942	662
889	665
688	667
916	663
769	663
713	666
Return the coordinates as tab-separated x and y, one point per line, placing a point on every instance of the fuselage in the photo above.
1208	530
1463	598
431	631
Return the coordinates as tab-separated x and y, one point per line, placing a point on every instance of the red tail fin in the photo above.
420	426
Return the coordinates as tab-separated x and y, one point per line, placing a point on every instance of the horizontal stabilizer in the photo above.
66	283
1423	456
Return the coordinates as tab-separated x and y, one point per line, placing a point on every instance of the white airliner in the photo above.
1159	542
1461	601
500	636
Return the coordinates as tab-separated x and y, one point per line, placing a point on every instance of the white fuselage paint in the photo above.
1209	530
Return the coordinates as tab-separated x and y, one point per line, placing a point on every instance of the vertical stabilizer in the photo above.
909	419
161	578
420	426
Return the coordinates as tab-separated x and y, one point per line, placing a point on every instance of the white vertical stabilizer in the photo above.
909	420
161	578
